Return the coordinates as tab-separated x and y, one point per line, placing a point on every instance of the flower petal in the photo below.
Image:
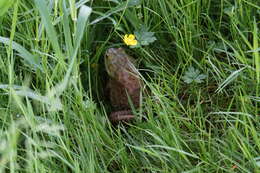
133	42
129	40
131	36
126	36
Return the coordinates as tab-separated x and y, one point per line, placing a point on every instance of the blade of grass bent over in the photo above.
230	78
34	61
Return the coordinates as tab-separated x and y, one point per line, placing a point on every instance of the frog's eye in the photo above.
121	49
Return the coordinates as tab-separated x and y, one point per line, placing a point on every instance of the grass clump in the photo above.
200	63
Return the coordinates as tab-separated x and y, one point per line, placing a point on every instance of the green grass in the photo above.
53	107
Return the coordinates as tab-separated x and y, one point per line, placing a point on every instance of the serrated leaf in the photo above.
200	78
187	80
193	75
144	37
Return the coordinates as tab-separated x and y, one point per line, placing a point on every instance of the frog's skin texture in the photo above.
124	84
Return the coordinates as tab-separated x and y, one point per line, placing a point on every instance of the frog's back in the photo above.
119	95
124	83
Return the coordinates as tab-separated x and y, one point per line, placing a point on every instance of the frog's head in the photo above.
116	59
121	67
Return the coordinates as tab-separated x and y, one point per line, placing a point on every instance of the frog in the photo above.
124	84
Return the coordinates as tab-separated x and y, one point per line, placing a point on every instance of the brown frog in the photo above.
124	84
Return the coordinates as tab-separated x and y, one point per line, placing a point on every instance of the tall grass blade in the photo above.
45	14
84	13
81	23
52	103
33	61
256	53
230	78
73	11
67	31
116	9
67	10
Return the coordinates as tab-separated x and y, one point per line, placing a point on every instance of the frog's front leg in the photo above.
118	116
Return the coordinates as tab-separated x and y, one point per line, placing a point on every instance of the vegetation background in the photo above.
203	72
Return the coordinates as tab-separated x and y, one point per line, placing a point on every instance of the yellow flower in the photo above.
130	40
